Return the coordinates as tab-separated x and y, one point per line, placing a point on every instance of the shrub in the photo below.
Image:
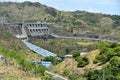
82	61
95	61
110	53
75	54
115	61
66	72
52	59
113	45
103	47
102	58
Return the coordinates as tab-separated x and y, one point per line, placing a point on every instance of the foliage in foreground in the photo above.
21	61
82	61
54	60
108	53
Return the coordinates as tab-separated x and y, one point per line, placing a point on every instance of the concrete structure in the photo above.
46	64
28	30
38	49
3	59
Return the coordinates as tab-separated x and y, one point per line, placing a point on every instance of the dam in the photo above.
27	30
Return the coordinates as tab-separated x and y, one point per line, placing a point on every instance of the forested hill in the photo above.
95	25
29	11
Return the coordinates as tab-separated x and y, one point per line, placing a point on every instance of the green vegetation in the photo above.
54	60
19	57
82	61
38	12
105	61
20	60
108	53
75	54
47	77
63	47
78	23
66	23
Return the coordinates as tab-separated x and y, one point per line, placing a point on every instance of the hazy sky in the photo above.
97	6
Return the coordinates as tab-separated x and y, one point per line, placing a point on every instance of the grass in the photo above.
64	47
85	43
14	73
71	64
9	46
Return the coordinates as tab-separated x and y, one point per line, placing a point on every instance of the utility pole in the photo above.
72	65
72	68
103	77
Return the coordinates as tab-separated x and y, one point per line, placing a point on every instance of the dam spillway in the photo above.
27	30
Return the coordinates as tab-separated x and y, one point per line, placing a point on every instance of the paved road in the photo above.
84	39
56	76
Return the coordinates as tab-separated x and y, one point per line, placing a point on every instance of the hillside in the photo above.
17	65
105	61
14	73
99	57
69	66
9	41
78	23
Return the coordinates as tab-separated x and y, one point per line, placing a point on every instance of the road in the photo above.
56	76
85	39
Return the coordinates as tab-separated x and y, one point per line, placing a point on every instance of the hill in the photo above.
10	42
78	23
17	65
69	66
103	63
14	73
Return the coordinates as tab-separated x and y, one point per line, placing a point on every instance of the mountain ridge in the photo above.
77	23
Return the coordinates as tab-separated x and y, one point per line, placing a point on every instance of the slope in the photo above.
14	73
18	56
69	66
102	62
78	23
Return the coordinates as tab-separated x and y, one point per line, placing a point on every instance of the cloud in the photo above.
90	10
93	10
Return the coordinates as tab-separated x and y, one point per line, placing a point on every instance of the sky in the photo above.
96	6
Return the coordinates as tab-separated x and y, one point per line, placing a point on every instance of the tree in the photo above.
113	45
52	59
75	54
103	46
115	61
82	61
102	58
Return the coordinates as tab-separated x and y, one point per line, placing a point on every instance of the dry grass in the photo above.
91	56
14	73
72	64
85	43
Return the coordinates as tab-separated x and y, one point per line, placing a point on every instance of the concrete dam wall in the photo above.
27	30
